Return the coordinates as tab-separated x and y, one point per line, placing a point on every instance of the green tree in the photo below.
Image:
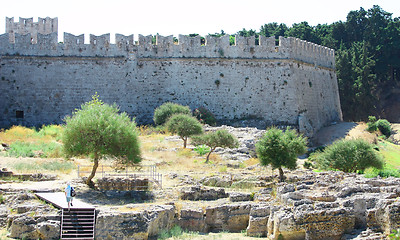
219	138
280	149
349	156
166	110
184	126
98	130
303	31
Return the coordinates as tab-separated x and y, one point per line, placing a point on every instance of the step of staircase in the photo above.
78	223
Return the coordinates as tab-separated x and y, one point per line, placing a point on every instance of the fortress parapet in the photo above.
165	47
289	82
26	25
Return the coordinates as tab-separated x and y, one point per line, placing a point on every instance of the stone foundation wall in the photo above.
123	184
293	83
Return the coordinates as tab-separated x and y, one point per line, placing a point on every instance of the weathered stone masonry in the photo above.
42	81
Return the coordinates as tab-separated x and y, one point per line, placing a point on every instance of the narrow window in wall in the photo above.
19	114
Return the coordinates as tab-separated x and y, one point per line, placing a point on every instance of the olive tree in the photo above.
280	149
349	156
184	126
220	138
98	130
166	110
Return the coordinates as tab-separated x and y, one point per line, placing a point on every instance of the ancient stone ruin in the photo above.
286	82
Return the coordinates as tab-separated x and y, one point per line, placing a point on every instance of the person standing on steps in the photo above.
68	196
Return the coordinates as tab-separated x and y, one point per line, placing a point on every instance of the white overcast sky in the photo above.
173	17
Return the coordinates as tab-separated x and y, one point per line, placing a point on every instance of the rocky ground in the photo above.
248	201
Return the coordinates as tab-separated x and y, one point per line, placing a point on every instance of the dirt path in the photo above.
342	130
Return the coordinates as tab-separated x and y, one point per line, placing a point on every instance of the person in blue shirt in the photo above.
68	195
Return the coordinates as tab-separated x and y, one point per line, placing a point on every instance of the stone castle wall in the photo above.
292	83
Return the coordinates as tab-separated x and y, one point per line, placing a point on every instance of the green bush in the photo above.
174	232
55	131
308	165
384	173
349	156
280	149
371	124
382	125
395	235
97	129
184	126
166	110
202	149
205	116
41	149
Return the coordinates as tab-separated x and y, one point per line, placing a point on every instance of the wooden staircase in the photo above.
78	223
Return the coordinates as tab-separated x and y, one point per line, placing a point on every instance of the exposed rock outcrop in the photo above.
198	193
135	225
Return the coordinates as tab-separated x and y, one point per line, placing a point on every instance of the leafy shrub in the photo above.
41	149
384	173
205	116
280	149
184	126
308	165
349	156
174	232
371	124
97	129
2	199
166	110
62	166
382	125
202	149
55	131
220	138
395	235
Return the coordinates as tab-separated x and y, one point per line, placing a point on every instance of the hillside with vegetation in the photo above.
346	183
367	47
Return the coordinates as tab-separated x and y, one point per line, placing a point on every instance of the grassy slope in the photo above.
391	154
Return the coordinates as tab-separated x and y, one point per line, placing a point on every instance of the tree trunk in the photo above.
184	142
89	181
281	177
208	155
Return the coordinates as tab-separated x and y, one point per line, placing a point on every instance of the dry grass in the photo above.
158	148
22	134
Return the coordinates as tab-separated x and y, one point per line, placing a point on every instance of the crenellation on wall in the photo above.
216	46
245	41
124	42
164	47
100	42
292	83
145	41
47	25
190	46
267	42
47	41
23	41
73	42
26	25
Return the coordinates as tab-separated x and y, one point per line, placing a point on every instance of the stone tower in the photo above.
27	26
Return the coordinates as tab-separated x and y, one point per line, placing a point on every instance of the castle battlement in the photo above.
286	82
27	25
165	47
